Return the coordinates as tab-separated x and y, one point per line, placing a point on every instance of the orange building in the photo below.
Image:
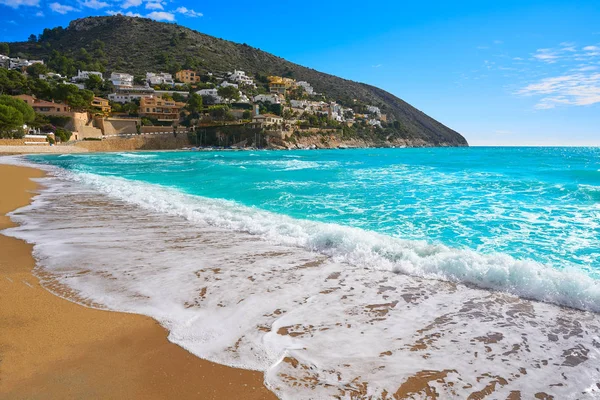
187	76
102	104
45	107
160	109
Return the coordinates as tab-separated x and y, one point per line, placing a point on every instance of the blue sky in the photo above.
500	73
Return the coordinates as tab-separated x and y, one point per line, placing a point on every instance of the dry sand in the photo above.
51	348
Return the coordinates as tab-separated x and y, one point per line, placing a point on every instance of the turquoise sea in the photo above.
369	267
540	204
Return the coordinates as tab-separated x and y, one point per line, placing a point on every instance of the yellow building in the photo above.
160	109
280	85
187	76
102	104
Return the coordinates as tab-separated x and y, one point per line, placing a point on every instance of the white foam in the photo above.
569	287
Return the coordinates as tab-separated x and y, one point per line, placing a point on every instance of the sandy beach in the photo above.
51	348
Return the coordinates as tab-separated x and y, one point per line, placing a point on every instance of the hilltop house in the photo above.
159	79
187	76
51	75
306	86
374	110
121	79
85	75
241	78
160	109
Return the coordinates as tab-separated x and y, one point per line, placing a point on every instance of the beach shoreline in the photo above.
52	348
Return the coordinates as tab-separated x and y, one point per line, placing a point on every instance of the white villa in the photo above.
226	84
51	75
121	79
306	86
159	79
267	98
241	78
374	110
126	94
211	93
17	63
84	75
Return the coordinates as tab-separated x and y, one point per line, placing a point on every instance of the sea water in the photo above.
343	272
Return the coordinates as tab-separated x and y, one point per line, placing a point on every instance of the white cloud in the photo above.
95	4
546	55
591	48
161	16
131	3
154	6
498	42
62	8
19	3
377	66
39	14
187	12
127	14
578	89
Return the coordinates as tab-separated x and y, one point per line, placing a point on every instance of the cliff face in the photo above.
138	45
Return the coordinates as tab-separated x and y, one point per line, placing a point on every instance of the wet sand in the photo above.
51	348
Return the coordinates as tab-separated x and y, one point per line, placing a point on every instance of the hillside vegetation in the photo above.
139	45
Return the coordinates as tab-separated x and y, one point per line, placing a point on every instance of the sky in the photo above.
499	72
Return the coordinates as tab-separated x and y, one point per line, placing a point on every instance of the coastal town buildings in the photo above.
227	84
280	85
121	79
159	79
160	109
187	76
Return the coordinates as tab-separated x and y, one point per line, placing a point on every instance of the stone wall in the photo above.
137	143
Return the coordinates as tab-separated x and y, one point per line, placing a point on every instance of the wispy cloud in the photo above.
62	8
161	16
19	3
578	89
546	55
154	5
95	4
127	14
39	14
131	3
377	66
187	12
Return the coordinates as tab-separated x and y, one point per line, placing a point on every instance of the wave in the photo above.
570	286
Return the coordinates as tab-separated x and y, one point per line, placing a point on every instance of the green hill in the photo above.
138	45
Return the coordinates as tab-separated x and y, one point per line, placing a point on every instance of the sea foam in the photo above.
570	286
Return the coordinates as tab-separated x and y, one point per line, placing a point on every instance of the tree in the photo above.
4	49
195	103
229	92
94	83
11	121
63	134
26	111
32	38
247	114
37	69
